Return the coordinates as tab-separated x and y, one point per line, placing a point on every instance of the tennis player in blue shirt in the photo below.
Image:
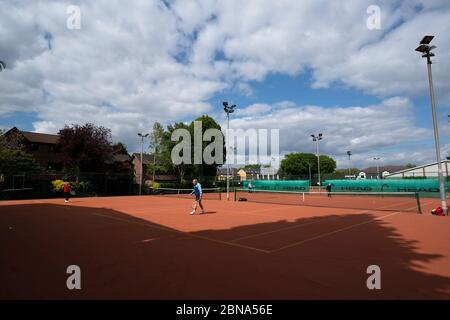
198	196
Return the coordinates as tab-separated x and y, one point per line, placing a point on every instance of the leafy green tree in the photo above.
16	161
299	164
182	170
160	163
410	165
327	164
206	170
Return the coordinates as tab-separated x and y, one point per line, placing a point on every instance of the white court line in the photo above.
323	235
181	232
287	228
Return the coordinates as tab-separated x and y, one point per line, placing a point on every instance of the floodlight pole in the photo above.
378	167
142	166
317	139
228	109
349	153
425	49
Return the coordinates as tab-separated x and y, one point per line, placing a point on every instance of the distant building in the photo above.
269	173
41	146
222	174
429	170
251	174
384	171
147	162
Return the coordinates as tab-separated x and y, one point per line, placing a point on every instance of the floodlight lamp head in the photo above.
423	48
426	40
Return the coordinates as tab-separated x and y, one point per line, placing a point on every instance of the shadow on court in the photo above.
123	257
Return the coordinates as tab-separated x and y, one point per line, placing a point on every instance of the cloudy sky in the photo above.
300	66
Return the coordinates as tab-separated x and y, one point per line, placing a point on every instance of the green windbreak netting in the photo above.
286	185
425	187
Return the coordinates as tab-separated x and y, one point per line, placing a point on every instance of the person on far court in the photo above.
198	196
329	190
66	188
250	187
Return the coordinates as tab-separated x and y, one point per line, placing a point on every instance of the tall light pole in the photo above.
425	49
378	166
317	139
309	167
349	153
228	109
142	167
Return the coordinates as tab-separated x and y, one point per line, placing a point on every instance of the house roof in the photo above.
223	171
418	167
388	168
121	157
146	158
41	137
35	136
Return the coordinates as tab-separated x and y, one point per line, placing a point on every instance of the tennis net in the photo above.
384	201
207	193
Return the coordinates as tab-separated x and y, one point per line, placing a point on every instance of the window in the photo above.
34	147
51	148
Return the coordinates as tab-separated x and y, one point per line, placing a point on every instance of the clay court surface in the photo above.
149	247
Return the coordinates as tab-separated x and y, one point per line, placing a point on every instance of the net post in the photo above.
418	202
220	193
235	191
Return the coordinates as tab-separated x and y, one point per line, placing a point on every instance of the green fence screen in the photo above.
425	187
286	185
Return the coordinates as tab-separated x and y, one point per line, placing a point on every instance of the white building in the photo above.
428	170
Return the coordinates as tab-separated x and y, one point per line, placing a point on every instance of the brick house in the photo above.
41	146
147	161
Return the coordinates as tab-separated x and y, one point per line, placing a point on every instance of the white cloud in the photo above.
366	131
132	64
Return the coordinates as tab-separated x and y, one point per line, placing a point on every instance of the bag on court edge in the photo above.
438	211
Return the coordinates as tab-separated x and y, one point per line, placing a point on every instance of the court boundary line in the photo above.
323	235
183	233
287	228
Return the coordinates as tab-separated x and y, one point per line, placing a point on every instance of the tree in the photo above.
206	170
300	163
448	157
327	164
119	148
182	169
85	148
16	161
157	137
410	165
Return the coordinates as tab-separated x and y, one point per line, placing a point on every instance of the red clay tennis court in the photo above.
149	247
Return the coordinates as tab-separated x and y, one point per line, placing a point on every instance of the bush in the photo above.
58	185
155	186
